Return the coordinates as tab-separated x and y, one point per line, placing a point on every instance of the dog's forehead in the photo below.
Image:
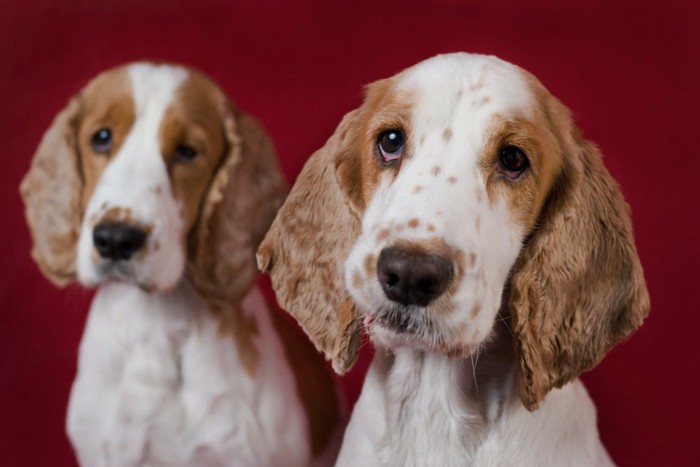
457	84
155	85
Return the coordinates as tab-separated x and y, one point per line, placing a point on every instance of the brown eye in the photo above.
101	141
184	153
390	144
512	161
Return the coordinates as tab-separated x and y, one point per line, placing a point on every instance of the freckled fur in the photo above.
555	259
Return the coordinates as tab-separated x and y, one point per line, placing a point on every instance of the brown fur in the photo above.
577	288
305	248
105	102
243	198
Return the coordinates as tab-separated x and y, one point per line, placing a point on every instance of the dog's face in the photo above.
457	160
460	189
156	152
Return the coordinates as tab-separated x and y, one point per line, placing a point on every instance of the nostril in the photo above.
411	277
117	241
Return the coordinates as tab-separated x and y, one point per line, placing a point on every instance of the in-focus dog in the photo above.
462	217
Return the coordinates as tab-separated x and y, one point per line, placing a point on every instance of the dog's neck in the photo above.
434	400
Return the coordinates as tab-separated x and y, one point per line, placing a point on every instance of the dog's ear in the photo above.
578	286
241	202
310	239
51	193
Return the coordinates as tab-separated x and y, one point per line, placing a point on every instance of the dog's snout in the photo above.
118	241
412	278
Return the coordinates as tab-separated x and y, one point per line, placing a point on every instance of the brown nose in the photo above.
412	278
117	241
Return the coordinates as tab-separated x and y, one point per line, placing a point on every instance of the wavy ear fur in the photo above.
51	193
241	202
578	287
307	244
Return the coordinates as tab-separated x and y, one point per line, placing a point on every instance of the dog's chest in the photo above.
158	377
429	419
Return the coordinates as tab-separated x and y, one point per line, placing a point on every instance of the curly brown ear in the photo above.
578	287
307	244
241	202
51	192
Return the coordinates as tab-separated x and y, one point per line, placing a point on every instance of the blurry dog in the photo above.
151	186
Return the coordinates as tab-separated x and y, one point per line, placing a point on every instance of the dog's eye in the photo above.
390	144
101	141
184	153
512	161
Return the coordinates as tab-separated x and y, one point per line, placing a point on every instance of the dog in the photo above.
461	219
152	187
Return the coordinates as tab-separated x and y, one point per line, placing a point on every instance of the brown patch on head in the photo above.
358	165
447	134
431	228
243	329
413	223
452	179
484	100
417	189
194	118
435	170
106	103
526	195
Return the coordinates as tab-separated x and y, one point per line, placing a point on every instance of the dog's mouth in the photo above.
398	325
120	271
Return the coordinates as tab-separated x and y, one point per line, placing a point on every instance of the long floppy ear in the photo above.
308	242
241	202
578	287
51	192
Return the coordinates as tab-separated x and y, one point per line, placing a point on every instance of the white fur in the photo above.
418	406
159	383
137	180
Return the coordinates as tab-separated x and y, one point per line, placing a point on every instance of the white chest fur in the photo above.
159	383
420	409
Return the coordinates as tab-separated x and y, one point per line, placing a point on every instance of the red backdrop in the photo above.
628	69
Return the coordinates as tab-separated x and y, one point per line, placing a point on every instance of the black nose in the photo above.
117	241
412	278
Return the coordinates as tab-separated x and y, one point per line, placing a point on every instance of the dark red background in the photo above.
628	69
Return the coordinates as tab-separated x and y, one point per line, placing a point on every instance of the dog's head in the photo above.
460	189
148	174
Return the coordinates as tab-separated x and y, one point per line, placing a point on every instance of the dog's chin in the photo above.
120	272
396	326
